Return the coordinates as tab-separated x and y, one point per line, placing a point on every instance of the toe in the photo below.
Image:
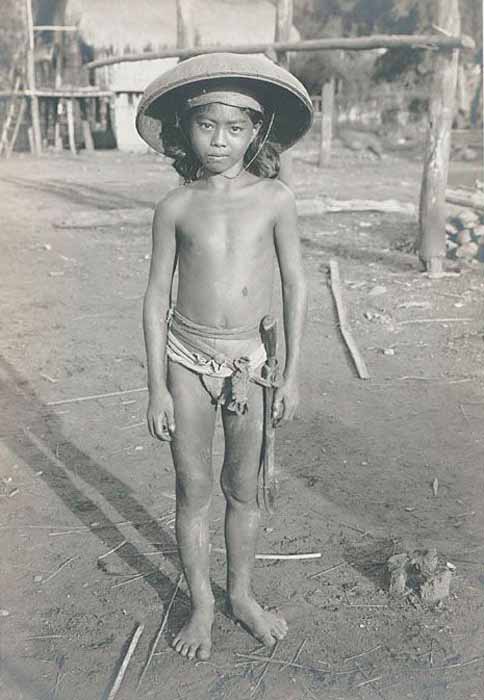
204	652
267	640
191	652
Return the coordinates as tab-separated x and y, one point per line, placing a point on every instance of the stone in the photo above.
376	291
467	250
450	229
478	233
436	588
467	218
426	561
464	236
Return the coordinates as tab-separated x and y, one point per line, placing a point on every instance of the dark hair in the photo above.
176	145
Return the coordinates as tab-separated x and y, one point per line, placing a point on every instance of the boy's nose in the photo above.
218	138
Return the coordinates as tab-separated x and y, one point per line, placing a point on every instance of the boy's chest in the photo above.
225	224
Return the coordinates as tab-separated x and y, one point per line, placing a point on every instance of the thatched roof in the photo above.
123	25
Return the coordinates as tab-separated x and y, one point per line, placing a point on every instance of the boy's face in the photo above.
220	136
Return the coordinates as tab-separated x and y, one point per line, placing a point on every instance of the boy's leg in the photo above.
243	443
191	448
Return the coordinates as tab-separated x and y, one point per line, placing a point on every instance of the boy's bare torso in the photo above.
225	250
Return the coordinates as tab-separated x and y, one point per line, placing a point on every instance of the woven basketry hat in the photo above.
265	83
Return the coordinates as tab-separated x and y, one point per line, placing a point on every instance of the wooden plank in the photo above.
432	215
377	41
327	108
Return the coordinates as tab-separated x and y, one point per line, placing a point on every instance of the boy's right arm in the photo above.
160	415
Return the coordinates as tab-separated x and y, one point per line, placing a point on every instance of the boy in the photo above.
224	118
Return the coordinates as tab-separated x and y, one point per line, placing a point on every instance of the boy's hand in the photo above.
286	400
161	416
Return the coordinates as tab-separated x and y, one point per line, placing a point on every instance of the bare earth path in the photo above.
80	479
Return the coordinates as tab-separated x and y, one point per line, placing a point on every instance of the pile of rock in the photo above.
422	573
465	236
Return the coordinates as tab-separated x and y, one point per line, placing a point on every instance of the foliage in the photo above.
319	18
11	37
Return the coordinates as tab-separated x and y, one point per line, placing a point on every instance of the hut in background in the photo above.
113	28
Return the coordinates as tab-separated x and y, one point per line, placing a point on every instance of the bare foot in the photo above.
194	639
264	625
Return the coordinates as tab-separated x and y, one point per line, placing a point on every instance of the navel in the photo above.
245	291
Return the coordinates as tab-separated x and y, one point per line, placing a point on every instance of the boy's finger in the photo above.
277	410
170	421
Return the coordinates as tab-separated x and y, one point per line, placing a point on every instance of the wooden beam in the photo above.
432	215
377	41
460	198
327	108
34	103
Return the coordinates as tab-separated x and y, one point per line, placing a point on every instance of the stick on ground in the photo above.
78	399
122	669
343	323
160	632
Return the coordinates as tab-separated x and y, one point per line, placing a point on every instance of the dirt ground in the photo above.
82	478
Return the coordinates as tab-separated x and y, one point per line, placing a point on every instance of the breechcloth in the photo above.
225	374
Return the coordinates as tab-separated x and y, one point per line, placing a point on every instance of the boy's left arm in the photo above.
294	300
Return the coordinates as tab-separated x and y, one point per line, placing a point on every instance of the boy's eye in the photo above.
236	129
205	125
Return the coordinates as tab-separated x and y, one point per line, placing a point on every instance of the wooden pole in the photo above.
327	107
363	43
284	17
70	126
282	33
432	216
185	29
34	102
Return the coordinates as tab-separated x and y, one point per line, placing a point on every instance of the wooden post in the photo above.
432	216
70	125
185	30
282	32
57	126
327	108
86	127
34	102
284	16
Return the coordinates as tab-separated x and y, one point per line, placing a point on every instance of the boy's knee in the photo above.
194	490
238	494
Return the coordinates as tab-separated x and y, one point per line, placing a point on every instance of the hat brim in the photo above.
277	89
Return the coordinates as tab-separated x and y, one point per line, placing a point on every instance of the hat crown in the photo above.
276	88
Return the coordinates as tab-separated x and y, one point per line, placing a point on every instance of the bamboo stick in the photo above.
343	324
122	671
160	631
